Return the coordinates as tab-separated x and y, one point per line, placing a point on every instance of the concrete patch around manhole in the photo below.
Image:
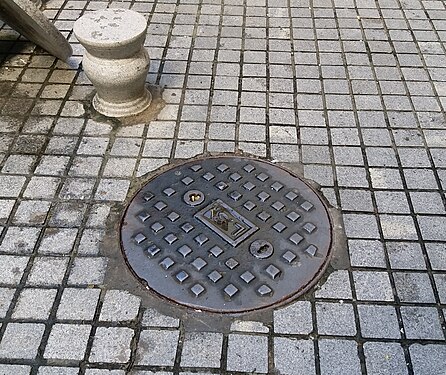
259	236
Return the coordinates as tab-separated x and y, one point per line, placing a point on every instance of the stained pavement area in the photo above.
351	91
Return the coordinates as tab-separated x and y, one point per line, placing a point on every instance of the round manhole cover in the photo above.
227	234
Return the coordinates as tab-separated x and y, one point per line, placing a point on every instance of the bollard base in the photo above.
126	109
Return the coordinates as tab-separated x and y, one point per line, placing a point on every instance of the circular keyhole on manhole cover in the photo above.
194	197
227	235
261	249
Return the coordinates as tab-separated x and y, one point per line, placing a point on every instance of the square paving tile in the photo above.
21	340
247	353
67	341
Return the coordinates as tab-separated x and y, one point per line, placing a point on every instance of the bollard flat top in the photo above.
110	27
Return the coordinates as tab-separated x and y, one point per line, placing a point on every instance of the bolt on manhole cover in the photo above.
227	234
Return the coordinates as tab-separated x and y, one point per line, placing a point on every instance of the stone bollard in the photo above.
115	60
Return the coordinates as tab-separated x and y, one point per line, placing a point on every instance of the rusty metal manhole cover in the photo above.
227	234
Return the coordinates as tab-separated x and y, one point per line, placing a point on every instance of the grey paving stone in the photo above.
380	156
189	149
120	167
356	200
366	253
5	209
421	323
335	319
385	358
87	270
247	353
21	340
57	241
52	165
202	349
152	318
31	212
437	255
18	164
53	370
292	356
344	136
20	240
10	186
413	287
77	188
157	148
14	369
78	304
285	153
420	179
352	176
98	215
92	146
148	165
361	226
339	357
85	166
11	268
432	227
34	303
119	306
385	178
295	318
427	202
252	133
6	296
392	202
165	342
67	341
91	242
316	155
111	345
220	146
95	371
372	286
407	137
378	321
413	157
321	174
440	282
405	255
337	286
192	130
126	147
47	271
41	187
69	214
112	190
398	227
315	136
219	130
428	359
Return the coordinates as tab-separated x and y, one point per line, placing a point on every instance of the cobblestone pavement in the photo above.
353	90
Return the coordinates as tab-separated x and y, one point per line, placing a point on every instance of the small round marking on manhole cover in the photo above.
227	234
261	249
